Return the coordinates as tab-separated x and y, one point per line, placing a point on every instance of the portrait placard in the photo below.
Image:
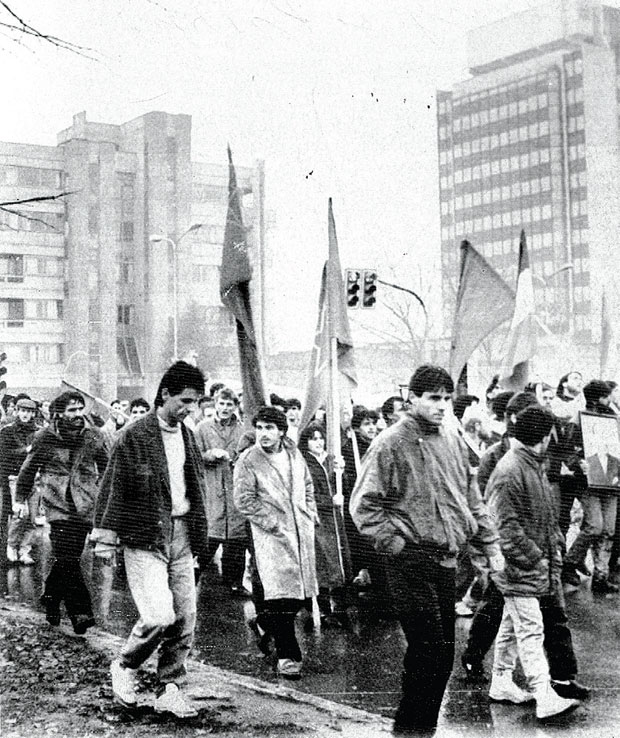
601	449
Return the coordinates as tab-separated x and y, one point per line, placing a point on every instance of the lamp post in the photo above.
158	238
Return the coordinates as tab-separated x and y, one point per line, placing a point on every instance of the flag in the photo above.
483	302
333	322
235	276
609	341
94	407
521	342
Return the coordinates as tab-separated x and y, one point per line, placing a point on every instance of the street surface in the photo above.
363	670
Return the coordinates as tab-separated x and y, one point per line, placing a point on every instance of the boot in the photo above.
549	703
503	689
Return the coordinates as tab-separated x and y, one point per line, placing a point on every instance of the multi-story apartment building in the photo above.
86	292
531	141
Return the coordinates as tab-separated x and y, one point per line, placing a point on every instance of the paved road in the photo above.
364	671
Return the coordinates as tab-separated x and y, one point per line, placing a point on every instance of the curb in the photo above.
110	644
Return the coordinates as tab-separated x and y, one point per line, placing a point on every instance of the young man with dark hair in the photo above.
599	507
70	457
273	490
418	502
521	500
392	410
138	407
151	501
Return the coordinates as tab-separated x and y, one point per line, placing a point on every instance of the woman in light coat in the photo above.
273	489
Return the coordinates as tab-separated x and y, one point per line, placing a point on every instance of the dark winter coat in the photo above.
332	556
521	501
15	441
135	500
70	470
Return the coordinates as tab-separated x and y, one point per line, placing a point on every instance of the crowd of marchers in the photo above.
450	506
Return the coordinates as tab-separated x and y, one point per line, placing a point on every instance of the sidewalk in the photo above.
54	683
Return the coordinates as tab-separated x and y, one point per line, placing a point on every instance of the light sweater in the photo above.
175	457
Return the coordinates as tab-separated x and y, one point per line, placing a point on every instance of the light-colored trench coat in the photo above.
283	515
224	520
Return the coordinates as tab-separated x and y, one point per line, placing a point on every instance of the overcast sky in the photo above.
337	96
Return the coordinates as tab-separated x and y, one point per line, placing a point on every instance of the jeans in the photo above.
424	596
164	592
21	533
558	642
65	580
521	634
233	558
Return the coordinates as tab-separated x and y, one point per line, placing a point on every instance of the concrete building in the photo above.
531	141
86	292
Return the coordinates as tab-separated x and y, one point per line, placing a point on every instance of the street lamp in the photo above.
158	238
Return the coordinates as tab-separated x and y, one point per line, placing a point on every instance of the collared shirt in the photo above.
175	457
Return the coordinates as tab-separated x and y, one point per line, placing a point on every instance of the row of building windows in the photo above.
530	163
517	189
32	220
14	311
30	177
35	353
14	267
505	138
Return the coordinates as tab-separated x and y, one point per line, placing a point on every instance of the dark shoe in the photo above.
238	590
263	639
399	729
571	690
570	576
52	610
81	623
330	621
474	671
600	585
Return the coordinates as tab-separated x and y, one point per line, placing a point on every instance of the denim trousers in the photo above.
597	529
164	593
521	634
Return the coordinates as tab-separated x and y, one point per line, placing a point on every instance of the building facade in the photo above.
531	141
87	280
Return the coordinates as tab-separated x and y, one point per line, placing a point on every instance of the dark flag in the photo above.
483	302
332	326
235	276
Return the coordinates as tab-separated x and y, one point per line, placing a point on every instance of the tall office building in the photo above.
531	141
87	281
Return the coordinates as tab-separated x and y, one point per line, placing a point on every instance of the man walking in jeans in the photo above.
151	501
416	499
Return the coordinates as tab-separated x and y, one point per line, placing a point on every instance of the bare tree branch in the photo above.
21	214
42	198
21	26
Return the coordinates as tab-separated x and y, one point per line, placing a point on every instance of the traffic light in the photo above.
353	286
369	288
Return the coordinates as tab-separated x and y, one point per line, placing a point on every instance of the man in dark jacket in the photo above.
417	501
70	457
15	440
523	507
599	507
152	501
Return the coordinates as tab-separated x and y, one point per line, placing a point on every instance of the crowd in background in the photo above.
42	442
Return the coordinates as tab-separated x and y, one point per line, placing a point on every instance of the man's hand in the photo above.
220	454
338	500
20	509
497	562
104	551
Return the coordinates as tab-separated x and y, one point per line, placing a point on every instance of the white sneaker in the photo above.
25	558
123	683
549	703
463	610
503	689
12	556
172	700
289	669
